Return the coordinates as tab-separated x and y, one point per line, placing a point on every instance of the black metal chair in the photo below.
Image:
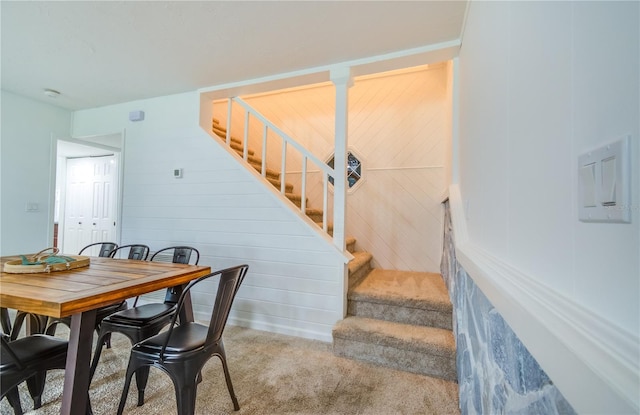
105	248
136	251
142	321
28	359
182	350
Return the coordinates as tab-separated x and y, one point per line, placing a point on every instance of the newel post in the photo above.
342	79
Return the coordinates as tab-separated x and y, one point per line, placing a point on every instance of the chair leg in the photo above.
107	337
13	396
125	389
97	353
223	359
107	341
35	384
185	397
142	375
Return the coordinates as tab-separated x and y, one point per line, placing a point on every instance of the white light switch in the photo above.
604	176
588	184
609	182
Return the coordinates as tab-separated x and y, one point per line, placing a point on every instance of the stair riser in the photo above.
269	173
407	360
316	217
357	275
296	199
276	184
400	314
223	135
218	129
240	150
351	247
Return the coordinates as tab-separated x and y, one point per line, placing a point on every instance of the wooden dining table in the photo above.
78	293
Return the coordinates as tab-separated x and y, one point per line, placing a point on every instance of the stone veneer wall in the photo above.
496	372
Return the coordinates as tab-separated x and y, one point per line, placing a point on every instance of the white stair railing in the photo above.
286	143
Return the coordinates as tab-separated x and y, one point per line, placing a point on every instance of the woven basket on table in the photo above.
45	261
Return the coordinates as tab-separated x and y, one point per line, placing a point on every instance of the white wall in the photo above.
292	285
399	129
26	160
541	83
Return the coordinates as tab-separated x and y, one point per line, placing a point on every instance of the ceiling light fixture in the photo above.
51	93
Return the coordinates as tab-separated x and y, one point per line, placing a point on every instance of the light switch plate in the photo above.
604	183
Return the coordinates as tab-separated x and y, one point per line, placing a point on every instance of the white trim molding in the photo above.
592	361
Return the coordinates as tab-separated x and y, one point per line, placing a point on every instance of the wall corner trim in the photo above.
592	361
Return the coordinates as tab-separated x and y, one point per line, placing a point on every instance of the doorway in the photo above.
87	192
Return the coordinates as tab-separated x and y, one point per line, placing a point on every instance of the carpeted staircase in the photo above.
271	175
397	319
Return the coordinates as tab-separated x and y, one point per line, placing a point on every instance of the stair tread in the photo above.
222	133
276	183
422	290
296	196
329	226
268	172
238	148
436	341
359	258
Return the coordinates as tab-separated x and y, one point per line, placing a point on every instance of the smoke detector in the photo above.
51	93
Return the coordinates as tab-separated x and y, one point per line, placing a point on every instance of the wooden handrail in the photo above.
287	143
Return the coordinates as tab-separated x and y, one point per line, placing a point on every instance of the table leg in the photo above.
76	378
186	313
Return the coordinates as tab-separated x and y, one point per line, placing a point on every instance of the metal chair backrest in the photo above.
181	254
106	248
230	280
138	252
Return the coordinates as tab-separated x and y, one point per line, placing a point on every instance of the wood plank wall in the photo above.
295	277
398	127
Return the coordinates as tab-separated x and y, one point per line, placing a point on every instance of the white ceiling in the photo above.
99	53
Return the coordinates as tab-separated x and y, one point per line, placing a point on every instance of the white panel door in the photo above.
90	202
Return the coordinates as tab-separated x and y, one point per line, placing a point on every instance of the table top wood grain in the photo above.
104	281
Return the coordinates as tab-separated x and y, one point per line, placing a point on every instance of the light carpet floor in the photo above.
271	374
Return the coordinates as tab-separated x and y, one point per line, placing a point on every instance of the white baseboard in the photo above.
307	332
